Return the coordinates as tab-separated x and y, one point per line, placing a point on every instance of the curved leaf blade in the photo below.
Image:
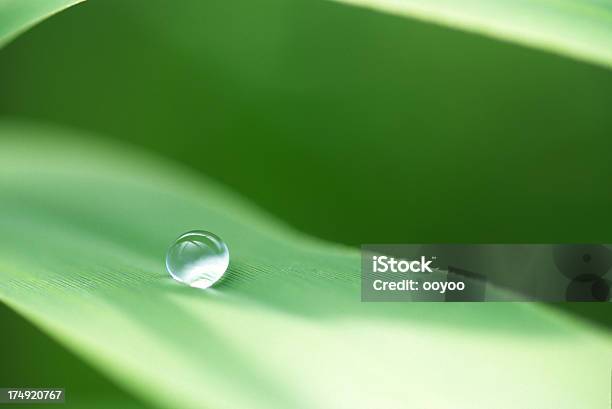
578	29
17	16
85	225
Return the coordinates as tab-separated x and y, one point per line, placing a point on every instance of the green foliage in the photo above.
85	226
17	16
350	125
579	29
331	118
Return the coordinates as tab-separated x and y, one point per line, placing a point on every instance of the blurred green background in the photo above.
348	124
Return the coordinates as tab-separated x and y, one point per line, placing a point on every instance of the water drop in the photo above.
197	258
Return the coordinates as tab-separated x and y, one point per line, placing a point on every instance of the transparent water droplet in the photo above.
197	258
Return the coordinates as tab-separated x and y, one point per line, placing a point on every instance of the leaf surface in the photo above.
16	16
581	30
578	29
85	224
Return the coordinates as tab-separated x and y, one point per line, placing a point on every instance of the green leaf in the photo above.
581	30
85	224
577	29
16	16
30	358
